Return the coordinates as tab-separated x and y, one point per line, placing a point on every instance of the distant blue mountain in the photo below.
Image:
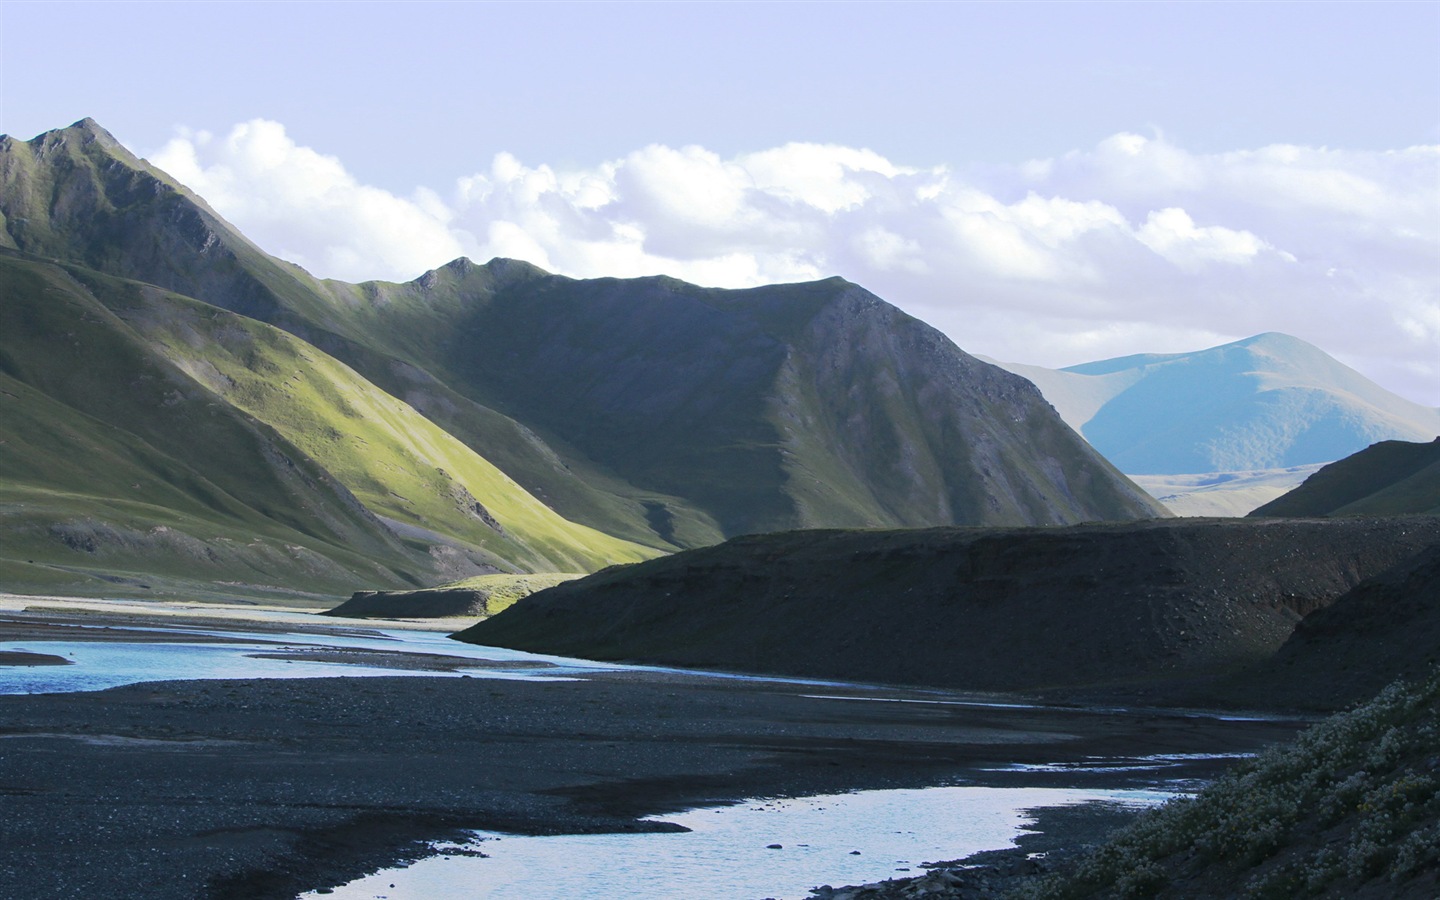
1267	402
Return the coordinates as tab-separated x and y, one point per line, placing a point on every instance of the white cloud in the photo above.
304	206
1174	235
1133	245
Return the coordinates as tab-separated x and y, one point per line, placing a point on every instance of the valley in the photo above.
694	546
267	788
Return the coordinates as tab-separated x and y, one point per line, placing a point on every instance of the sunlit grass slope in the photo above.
152	445
117	469
399	464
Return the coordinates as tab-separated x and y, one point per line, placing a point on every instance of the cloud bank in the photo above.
1134	245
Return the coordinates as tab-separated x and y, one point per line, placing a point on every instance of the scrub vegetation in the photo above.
1351	808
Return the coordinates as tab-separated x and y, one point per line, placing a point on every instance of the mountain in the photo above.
1268	402
153	443
786	406
641	412
1388	478
1142	607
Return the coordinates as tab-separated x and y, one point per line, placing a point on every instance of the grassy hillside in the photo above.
1349	809
399	464
153	443
1148	609
1388	478
652	410
113	461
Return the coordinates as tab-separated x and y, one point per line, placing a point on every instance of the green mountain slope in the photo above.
76	194
111	380
113	461
1388	478
399	464
648	409
779	407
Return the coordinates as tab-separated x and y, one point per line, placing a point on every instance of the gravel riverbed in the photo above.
265	788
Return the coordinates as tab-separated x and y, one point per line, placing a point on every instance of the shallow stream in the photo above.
764	848
727	851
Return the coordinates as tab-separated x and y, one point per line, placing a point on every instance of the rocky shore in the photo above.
261	789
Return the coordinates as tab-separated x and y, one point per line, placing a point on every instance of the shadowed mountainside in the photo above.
649	409
1134	606
1388	478
779	407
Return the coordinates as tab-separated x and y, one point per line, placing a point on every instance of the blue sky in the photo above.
1048	183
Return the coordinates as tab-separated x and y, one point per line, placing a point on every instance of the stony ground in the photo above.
260	789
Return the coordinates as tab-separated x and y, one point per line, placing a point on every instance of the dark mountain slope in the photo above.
1388	478
776	407
1141	607
649	409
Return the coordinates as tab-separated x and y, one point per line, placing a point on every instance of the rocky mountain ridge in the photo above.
628	417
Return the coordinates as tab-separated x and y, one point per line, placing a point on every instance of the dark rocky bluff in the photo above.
1385	628
1151	609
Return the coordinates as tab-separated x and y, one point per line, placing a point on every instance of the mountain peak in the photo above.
1268	401
87	131
1274	341
498	272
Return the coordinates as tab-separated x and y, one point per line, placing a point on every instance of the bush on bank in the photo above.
1351	806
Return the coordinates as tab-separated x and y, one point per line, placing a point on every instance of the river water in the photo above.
725	852
732	853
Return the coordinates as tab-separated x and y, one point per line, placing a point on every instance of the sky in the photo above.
1047	183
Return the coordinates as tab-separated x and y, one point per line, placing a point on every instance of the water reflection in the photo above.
732	852
98	665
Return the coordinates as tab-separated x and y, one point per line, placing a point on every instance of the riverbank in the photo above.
256	789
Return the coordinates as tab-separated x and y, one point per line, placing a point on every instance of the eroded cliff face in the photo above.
951	438
1386	627
1142	606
